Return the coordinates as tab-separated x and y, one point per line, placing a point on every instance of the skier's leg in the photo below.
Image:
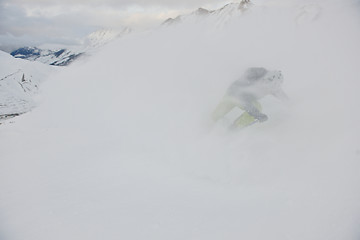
246	119
224	107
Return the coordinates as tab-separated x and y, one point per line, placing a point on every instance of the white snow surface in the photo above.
17	93
122	146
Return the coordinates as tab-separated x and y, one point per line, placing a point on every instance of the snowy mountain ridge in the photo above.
104	36
56	57
305	13
218	17
64	55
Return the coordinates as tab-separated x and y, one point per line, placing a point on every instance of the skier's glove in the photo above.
262	118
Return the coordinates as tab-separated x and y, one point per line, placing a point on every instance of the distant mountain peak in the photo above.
202	11
220	15
64	55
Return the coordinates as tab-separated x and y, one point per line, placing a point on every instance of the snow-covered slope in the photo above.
19	82
104	36
64	55
122	147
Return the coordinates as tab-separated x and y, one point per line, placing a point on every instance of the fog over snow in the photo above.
122	145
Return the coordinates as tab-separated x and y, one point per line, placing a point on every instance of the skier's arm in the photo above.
280	94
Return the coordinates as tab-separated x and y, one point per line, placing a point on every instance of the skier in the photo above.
245	93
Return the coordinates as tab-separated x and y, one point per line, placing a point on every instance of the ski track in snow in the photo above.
12	74
19	83
122	147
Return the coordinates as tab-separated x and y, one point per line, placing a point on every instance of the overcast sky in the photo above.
62	21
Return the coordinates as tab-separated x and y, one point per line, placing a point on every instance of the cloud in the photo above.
41	20
18	28
116	3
